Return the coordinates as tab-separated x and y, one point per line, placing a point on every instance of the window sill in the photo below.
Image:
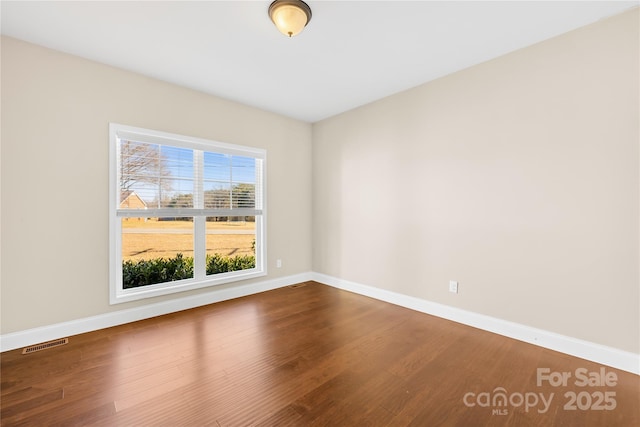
119	296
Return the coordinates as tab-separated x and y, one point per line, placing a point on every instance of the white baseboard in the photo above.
604	355
608	356
28	337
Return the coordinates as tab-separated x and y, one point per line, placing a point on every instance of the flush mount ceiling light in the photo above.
290	16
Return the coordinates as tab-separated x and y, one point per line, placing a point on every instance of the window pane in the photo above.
217	180
229	181
156	250
244	182
230	244
244	196
217	167
155	176
243	170
217	195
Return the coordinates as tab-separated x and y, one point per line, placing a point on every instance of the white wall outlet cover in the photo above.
453	286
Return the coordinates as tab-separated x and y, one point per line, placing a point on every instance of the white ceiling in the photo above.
351	53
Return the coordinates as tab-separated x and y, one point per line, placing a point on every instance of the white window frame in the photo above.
117	294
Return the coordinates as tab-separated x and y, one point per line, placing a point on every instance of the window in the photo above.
185	213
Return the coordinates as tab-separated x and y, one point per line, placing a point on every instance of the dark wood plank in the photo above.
296	356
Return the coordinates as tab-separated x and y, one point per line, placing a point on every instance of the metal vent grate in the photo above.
298	285
45	345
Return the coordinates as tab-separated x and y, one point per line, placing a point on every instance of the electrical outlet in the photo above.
279	263
453	286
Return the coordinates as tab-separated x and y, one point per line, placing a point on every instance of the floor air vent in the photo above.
298	285
45	345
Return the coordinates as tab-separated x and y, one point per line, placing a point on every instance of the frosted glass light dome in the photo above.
290	16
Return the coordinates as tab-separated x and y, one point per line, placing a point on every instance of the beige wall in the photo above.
517	177
56	111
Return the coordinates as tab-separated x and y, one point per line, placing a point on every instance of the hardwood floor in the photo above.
305	356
